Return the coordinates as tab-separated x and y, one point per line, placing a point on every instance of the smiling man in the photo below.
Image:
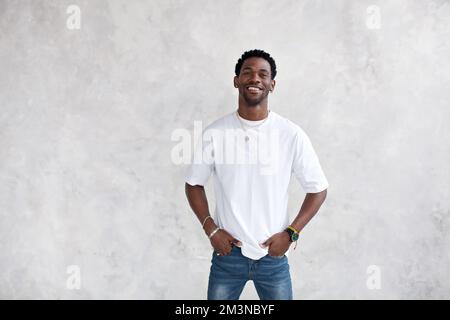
251	233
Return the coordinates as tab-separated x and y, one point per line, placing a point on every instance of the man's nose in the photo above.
255	78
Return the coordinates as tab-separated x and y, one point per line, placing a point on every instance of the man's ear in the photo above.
235	81
272	86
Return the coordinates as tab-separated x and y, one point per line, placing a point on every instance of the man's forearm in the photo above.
199	203
311	205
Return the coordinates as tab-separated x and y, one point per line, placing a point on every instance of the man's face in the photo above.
254	82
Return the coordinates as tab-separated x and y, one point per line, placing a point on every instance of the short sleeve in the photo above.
306	166
202	164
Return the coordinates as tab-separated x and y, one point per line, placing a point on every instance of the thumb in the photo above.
266	243
232	239
236	242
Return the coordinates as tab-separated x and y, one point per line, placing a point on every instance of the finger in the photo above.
266	243
236	242
232	239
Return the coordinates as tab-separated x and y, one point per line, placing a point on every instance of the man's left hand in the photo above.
278	244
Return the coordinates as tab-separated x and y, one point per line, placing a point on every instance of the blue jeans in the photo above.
230	273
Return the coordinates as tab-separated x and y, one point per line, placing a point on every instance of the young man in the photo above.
252	153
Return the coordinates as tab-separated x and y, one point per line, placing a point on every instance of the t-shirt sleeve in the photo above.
202	164
306	166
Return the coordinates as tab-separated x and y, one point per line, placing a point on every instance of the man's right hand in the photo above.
223	242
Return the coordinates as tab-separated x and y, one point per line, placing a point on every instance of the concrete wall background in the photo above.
86	176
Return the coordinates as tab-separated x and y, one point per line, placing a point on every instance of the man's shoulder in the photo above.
288	125
223	122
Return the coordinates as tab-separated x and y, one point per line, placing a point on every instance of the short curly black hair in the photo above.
260	54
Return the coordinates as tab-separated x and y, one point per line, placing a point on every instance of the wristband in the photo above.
214	232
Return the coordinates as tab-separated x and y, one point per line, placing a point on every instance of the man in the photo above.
251	232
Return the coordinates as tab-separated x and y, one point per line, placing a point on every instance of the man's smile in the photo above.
253	89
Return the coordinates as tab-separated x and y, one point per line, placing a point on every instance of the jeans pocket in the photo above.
232	252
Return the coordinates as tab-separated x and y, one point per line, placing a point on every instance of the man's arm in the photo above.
279	243
199	204
311	205
222	240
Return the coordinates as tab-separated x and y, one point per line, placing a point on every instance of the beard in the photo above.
254	101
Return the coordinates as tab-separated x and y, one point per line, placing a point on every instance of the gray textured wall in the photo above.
88	188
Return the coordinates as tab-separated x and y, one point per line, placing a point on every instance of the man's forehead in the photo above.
257	63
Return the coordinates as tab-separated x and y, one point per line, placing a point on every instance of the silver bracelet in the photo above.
214	232
204	221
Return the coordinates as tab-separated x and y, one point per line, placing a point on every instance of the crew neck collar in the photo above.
253	122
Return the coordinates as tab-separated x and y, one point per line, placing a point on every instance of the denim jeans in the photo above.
230	273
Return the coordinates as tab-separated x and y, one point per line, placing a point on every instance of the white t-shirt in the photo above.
252	163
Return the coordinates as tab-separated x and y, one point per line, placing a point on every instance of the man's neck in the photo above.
253	113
